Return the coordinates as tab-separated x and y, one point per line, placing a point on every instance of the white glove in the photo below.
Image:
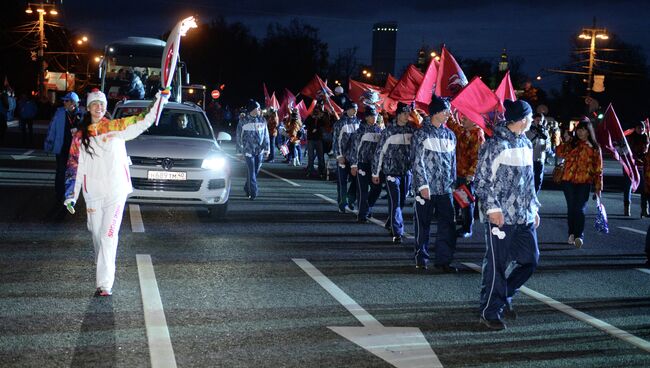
69	205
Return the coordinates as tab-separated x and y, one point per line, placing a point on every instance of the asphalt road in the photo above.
233	295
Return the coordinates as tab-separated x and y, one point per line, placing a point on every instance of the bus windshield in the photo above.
131	69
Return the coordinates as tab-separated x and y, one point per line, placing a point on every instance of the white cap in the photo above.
96	95
338	89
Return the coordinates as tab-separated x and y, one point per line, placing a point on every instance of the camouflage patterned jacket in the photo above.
433	155
344	128
364	144
252	135
504	177
393	155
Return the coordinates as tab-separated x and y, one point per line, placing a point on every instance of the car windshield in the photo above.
174	123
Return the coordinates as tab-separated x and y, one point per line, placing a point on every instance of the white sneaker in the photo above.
572	240
578	243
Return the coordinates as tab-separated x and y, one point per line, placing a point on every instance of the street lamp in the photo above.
40	9
592	34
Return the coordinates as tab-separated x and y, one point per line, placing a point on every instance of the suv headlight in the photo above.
215	163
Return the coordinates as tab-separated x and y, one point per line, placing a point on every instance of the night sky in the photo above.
540	32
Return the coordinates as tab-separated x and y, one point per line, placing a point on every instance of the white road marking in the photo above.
348	303
268	172
644	270
372	219
281	178
402	347
137	226
581	316
161	351
632	230
28	153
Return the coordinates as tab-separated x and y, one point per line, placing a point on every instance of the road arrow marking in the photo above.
402	347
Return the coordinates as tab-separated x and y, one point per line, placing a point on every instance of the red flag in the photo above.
391	82
315	87
477	101
428	85
305	111
267	98
609	135
408	85
288	103
357	89
505	91
273	102
628	131
451	78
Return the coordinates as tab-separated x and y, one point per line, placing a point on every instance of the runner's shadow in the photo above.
96	345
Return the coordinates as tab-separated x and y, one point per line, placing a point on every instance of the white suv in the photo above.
178	162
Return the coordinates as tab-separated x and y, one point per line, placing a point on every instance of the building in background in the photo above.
384	44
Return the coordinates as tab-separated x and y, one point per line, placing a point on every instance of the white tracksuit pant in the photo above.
104	220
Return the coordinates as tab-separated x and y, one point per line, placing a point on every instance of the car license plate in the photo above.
166	175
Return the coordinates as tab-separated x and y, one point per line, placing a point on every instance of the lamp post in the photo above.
592	34
41	10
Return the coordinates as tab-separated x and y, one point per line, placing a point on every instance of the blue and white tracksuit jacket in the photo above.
252	135
344	128
393	155
253	142
364	146
393	159
433	152
505	183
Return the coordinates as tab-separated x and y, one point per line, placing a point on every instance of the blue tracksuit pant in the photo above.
346	193
368	192
397	187
446	234
497	287
253	165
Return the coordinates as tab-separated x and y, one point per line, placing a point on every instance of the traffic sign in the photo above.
215	94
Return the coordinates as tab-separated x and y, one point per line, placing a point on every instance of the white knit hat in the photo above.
96	95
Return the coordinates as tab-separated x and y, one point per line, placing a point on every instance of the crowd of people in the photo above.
439	157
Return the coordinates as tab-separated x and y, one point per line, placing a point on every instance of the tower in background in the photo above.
384	44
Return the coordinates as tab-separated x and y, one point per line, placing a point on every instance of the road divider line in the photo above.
632	230
137	226
161	351
372	219
268	172
644	270
28	153
581	316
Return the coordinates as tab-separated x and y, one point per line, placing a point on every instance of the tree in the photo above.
344	65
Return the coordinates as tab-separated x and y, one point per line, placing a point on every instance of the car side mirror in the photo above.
223	136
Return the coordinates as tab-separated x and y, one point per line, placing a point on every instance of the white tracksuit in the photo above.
103	175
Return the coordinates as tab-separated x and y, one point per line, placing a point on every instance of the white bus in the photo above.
130	70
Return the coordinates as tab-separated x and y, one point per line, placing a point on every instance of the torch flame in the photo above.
187	24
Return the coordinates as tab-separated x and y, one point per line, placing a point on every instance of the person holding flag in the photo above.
99	166
505	187
344	128
392	160
638	143
252	142
583	166
364	146
433	156
469	138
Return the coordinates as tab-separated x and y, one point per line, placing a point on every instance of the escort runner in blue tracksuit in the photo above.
344	128
253	143
506	191
433	151
364	146
393	160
